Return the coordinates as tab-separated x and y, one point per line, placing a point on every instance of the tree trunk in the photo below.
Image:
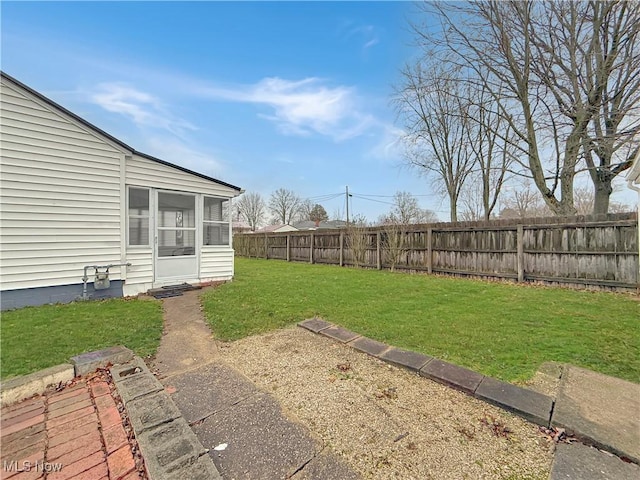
603	191
454	209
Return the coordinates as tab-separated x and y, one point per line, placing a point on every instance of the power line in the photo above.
371	199
391	196
324	198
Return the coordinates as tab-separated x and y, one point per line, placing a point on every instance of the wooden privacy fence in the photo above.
598	251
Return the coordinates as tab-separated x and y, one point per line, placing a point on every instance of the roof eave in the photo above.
111	138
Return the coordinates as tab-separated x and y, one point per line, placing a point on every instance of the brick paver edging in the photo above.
531	405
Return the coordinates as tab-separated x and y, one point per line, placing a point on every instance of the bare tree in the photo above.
358	239
613	66
304	211
524	202
471	201
394	244
494	152
406	211
585	200
284	205
564	78
252	207
435	115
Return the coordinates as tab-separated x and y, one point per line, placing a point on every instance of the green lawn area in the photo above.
499	329
33	338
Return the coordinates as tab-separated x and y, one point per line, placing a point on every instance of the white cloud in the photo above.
371	43
301	107
142	108
368	35
175	151
389	147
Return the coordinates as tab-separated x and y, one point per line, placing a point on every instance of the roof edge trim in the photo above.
101	132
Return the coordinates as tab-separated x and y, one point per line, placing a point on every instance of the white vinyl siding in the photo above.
143	172
59	195
140	273
216	264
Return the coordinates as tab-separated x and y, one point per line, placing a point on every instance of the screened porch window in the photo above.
176	224
215	221
138	217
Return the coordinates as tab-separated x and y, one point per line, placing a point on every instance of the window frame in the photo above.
177	229
137	216
226	222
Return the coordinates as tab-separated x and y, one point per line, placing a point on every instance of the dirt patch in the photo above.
186	342
388	423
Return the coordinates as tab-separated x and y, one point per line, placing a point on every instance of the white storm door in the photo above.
176	237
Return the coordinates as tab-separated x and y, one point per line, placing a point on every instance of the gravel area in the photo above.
386	422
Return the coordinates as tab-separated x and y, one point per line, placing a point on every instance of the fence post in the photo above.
520	244
378	253
311	249
341	249
288	248
429	250
266	247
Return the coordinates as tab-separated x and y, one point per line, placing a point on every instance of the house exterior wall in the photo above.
63	205
633	180
60	197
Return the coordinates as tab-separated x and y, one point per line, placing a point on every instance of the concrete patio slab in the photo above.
452	375
261	442
579	462
213	387
338	333
314	324
601	410
531	405
369	346
406	358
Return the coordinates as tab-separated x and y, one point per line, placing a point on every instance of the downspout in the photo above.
630	184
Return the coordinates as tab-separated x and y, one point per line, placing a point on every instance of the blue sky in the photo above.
262	95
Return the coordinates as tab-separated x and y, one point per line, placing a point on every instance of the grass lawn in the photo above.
502	330
33	338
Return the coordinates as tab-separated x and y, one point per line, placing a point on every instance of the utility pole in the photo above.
347	196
